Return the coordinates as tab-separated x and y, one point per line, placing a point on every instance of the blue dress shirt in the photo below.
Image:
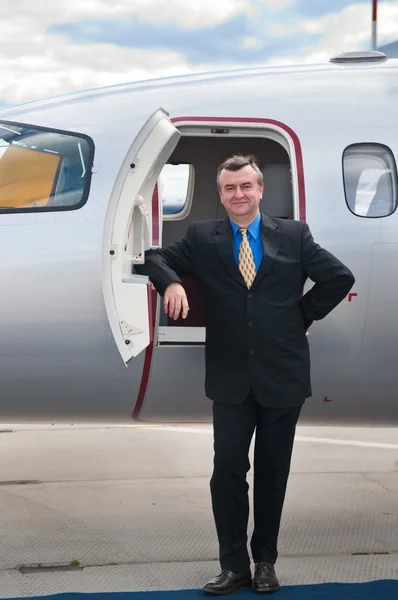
254	237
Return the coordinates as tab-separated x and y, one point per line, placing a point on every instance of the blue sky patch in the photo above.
223	43
314	9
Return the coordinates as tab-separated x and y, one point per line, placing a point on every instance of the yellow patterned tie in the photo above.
246	261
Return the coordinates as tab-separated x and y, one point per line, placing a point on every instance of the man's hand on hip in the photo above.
175	301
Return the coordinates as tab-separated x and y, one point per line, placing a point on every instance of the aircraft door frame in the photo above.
183	335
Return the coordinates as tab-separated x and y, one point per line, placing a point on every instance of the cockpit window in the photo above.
42	169
370	180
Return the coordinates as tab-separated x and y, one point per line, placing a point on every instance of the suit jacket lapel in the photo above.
224	242
270	241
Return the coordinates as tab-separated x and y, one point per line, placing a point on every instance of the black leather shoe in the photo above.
228	582
265	579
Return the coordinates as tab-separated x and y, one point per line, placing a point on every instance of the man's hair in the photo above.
238	161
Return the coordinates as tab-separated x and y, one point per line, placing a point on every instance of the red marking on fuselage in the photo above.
146	370
326	399
351	296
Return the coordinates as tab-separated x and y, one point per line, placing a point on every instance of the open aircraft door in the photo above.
133	224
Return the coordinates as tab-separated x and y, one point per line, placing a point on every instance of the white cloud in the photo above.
35	64
193	14
80	67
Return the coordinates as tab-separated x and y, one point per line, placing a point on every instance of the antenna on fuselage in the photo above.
359	57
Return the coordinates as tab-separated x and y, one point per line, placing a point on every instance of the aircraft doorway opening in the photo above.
188	192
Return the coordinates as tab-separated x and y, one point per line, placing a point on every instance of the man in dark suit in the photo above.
250	270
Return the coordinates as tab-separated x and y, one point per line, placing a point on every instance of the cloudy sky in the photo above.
50	47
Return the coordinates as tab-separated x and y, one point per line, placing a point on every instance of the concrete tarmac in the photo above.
125	508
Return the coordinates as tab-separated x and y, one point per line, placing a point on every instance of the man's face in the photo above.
241	193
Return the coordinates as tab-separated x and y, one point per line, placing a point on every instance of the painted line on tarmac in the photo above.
298	438
347	442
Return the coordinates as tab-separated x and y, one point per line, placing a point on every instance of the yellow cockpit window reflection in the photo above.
26	177
43	169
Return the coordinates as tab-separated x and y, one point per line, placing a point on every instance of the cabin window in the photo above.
175	187
370	180
42	169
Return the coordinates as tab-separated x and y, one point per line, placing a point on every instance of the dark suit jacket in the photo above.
255	339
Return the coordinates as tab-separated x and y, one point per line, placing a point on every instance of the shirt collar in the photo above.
253	229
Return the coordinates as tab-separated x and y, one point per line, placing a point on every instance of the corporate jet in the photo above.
90	180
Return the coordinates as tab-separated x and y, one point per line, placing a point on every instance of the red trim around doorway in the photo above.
286	128
155	217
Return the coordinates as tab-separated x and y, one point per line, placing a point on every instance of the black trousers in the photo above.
233	430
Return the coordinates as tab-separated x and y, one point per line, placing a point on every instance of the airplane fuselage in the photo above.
311	126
